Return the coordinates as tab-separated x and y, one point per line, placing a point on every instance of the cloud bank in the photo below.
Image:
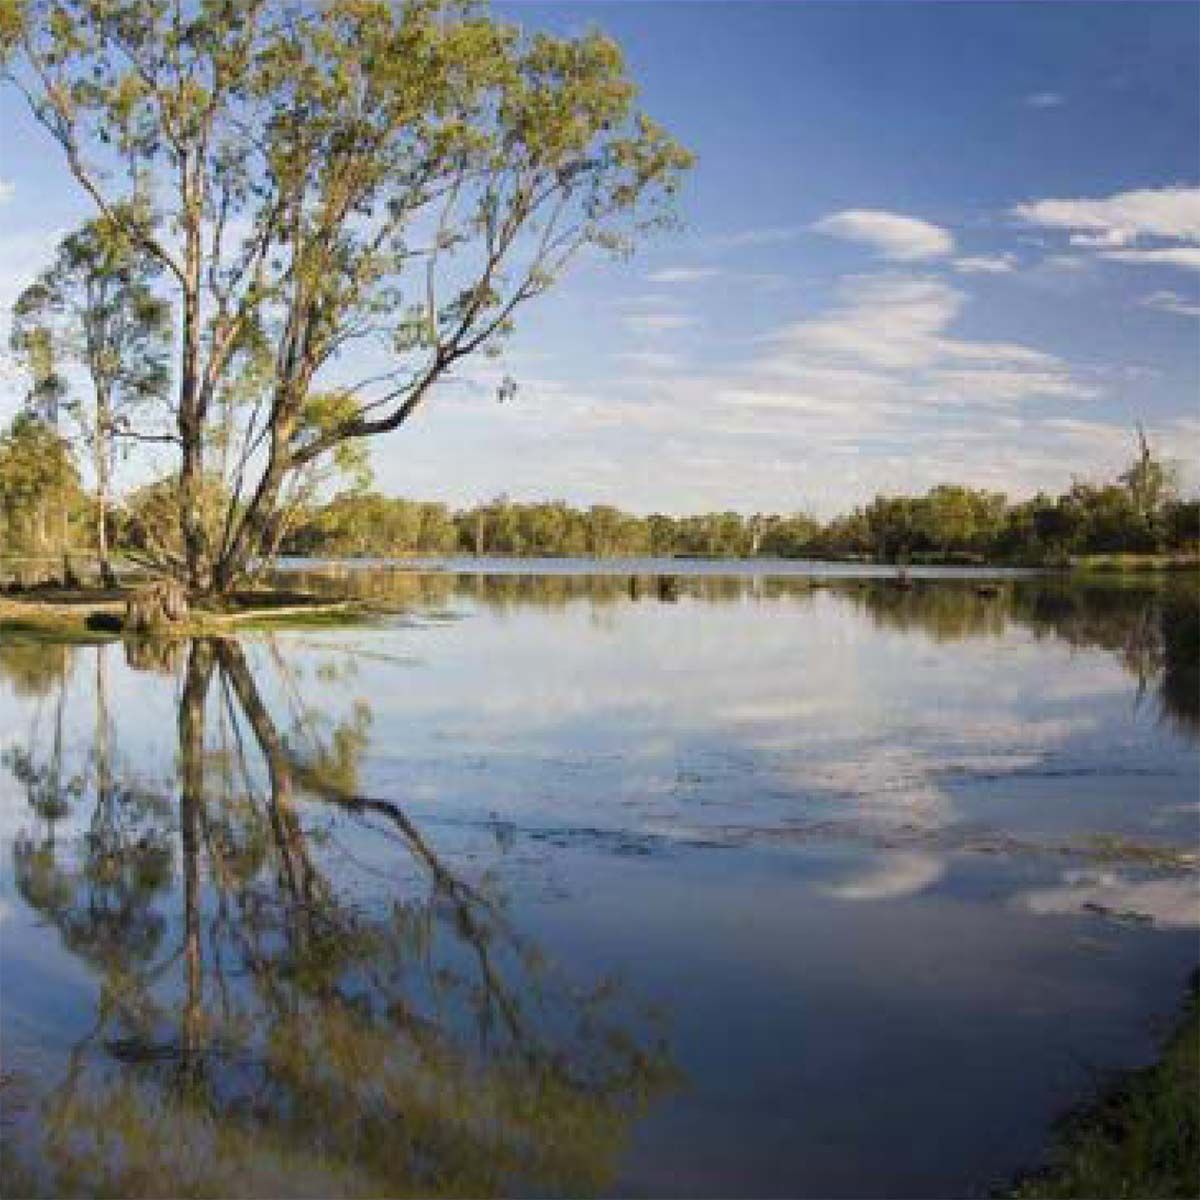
1118	227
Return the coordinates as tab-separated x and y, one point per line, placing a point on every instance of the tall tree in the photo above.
361	193
95	304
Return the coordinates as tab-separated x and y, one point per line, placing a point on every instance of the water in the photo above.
561	884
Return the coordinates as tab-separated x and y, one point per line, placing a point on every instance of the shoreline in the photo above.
1140	1136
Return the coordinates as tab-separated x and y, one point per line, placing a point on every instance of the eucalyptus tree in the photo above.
96	305
353	198
39	488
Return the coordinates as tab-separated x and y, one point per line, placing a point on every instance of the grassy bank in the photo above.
1135	562
1141	1138
95	615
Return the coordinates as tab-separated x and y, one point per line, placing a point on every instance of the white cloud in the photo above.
898	324
1045	99
1108	240
896	237
683	274
986	264
1187	257
1169	212
999	386
658	322
6	190
1172	302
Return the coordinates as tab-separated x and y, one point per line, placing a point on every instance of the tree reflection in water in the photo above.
1154	627
1155	631
260	1029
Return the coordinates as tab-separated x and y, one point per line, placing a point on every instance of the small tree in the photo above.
39	489
95	305
1152	485
337	181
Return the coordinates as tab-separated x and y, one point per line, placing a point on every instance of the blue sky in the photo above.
922	242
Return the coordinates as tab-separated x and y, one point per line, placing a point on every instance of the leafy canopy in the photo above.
358	193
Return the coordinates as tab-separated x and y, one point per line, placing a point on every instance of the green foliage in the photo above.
950	523
95	305
40	497
149	525
325	174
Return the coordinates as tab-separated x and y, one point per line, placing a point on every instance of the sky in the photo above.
922	243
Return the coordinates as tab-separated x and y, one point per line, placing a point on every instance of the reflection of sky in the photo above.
659	717
672	719
757	813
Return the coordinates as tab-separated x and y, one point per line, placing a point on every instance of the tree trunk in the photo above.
253	531
107	577
191	415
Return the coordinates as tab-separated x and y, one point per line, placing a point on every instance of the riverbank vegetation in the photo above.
950	524
1120	525
1142	1137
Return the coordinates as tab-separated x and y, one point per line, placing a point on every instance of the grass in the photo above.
1141	1138
64	618
49	626
1136	562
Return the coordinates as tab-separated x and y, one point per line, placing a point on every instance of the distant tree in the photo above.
1152	485
1181	520
149	528
893	526
95	305
39	489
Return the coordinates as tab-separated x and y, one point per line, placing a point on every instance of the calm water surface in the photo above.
563	884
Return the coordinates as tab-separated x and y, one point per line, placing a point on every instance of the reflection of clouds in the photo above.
901	873
1087	681
996	762
1003	728
782	711
1173	903
891	782
770	712
777	715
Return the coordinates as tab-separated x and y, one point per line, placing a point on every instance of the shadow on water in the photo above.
260	1027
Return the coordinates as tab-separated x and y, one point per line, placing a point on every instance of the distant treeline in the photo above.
950	523
46	512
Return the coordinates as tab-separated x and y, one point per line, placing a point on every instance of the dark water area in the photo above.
638	883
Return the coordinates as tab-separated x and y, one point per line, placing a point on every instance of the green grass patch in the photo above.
1135	562
61	620
51	628
1142	1137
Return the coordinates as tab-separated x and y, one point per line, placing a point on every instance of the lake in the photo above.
659	881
